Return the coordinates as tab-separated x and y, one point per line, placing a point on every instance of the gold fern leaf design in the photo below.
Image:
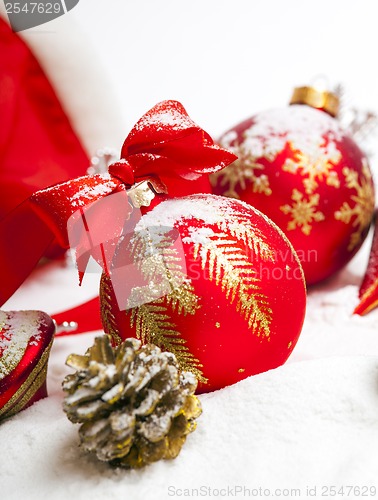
230	266
253	238
153	324
161	266
107	317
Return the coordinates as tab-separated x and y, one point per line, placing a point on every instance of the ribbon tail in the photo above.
26	239
368	292
81	264
369	300
87	317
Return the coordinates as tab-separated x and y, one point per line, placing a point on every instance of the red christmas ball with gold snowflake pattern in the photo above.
220	286
300	168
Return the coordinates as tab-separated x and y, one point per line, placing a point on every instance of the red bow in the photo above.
165	145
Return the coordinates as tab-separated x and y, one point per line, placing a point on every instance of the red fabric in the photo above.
25	239
38	146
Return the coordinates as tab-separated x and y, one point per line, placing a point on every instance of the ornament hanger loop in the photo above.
319	99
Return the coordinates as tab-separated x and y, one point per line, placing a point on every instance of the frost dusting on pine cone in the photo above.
134	405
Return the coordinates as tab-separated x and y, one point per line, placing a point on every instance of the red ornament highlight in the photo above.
236	296
299	167
25	342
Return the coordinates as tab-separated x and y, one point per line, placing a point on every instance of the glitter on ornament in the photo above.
315	166
364	203
302	212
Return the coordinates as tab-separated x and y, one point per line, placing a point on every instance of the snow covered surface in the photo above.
310	423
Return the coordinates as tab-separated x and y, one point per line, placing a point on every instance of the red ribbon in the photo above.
38	146
368	292
165	144
86	318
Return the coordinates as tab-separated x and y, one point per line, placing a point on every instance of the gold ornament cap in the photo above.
319	99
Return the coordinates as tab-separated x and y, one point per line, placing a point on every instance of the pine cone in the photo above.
134	405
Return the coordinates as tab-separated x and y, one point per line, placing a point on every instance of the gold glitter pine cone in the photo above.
134	405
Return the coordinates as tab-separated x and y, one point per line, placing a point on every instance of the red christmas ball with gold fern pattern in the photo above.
299	167
219	286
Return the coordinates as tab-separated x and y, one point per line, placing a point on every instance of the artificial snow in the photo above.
302	126
310	423
305	424
18	330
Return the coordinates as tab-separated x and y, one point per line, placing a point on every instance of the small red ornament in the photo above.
300	168
25	342
229	303
369	288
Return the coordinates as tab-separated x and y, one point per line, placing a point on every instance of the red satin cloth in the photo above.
165	145
38	146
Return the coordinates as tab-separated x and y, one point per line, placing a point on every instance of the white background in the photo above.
226	60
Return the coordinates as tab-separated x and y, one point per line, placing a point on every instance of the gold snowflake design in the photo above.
363	208
303	212
315	166
243	171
